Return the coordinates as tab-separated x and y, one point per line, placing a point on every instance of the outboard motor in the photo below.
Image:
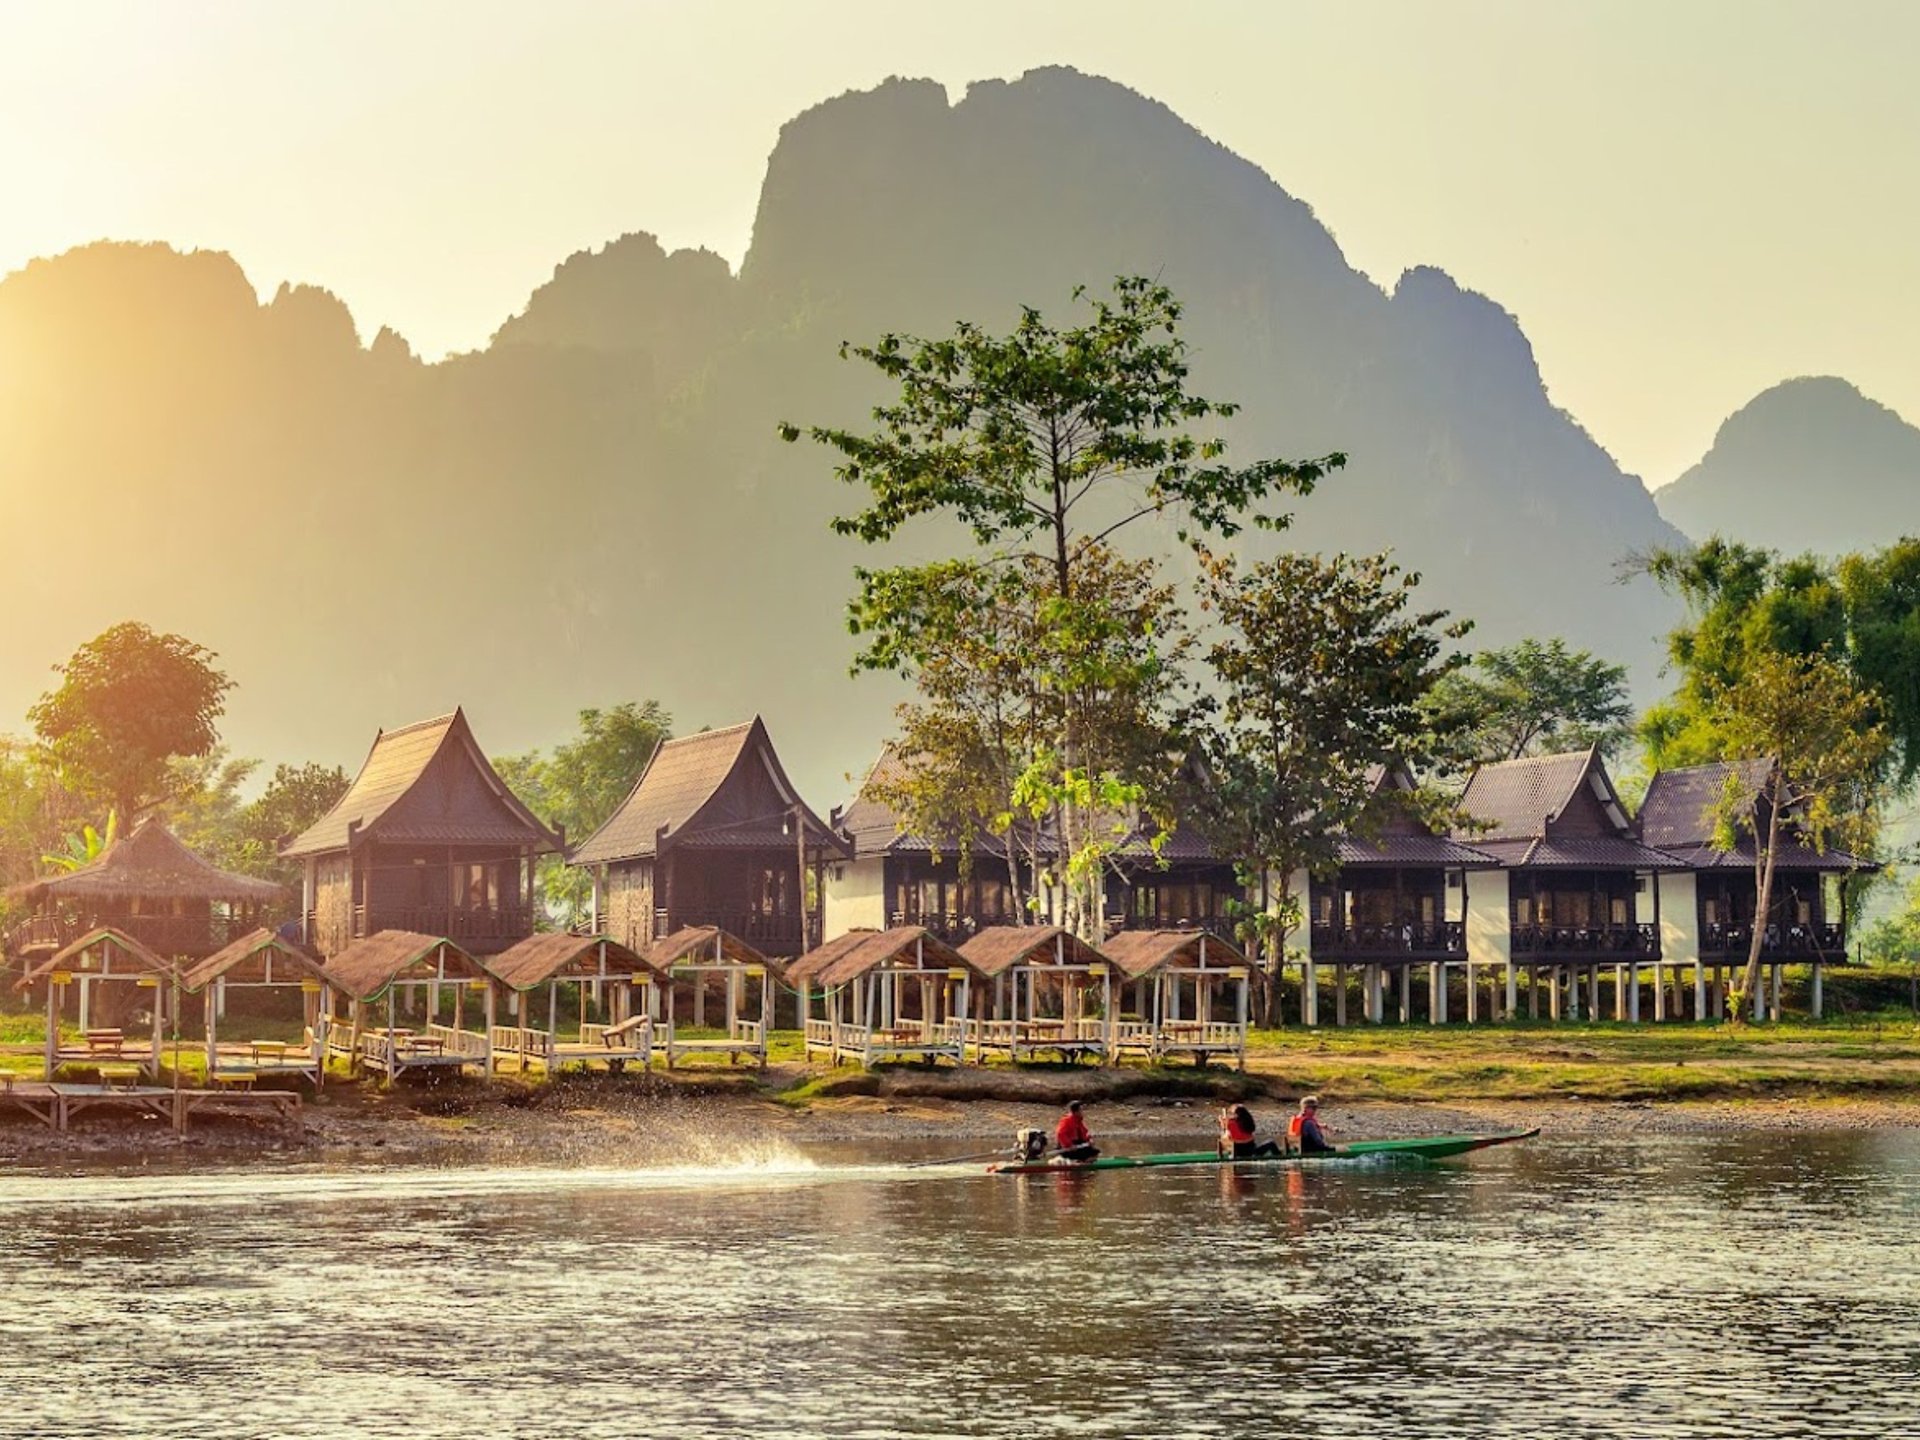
1030	1145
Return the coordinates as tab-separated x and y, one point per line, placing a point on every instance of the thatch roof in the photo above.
560	956
849	956
151	864
719	788
999	948
365	969
1141	952
144	961
428	783
698	943
247	959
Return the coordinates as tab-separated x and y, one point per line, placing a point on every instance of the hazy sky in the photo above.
1683	203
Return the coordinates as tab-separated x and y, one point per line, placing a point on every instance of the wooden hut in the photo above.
428	840
146	885
1182	885
712	834
421	969
1708	910
706	969
1046	991
1579	898
892	876
898	994
607	1027
262	962
1189	990
106	957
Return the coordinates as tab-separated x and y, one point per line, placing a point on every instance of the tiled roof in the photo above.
400	794
681	790
1514	799
1678	809
1791	857
151	864
1412	850
1579	852
875	828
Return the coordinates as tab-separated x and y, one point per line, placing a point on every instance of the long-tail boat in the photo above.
1432	1147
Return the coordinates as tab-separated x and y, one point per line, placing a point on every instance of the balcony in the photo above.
1595	942
165	935
1221	925
1780	942
479	930
1444	941
777	935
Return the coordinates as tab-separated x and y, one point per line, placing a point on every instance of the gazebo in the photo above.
397	963
1184	982
898	994
605	976
262	961
1052	992
104	956
696	960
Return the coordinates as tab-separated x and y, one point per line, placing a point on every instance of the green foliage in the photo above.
83	847
1532	698
129	701
1322	671
1043	443
579	785
1894	939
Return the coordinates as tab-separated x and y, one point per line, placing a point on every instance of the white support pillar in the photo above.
1699	991
1309	991
1437	999
1406	994
1555	978
1817	1000
1339	994
1633	992
1513	991
1777	969
1376	1000
1659	992
1593	993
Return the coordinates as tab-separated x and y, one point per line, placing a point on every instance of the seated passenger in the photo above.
1236	1130
1071	1137
1305	1130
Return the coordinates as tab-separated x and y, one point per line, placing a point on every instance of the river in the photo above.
1748	1285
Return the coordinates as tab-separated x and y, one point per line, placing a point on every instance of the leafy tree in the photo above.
1894	939
1532	698
581	783
129	701
206	805
295	797
1805	715
1043	443
83	847
1323	671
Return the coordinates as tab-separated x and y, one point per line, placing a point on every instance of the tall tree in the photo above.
1530	698
1815	727
129	701
1322	669
1043	443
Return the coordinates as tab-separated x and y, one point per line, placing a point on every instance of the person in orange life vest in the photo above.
1236	1135
1071	1137
1305	1131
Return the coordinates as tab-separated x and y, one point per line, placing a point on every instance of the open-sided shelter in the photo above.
412	975
262	962
1047	992
606	1026
1189	992
706	969
104	957
148	886
898	994
428	840
712	834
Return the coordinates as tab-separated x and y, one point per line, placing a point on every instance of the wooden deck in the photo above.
55	1105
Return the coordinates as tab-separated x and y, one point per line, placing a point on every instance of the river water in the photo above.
1754	1285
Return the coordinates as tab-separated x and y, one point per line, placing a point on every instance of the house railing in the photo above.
1221	925
1778	942
956	927
1626	941
1447	939
165	935
462	924
775	934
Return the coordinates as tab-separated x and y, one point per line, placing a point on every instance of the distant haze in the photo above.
1683	203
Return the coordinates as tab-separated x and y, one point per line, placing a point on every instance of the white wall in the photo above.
854	897
1489	918
1679	919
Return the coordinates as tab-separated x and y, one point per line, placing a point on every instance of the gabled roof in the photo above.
427	783
108	940
702	944
1421	850
558	955
1677	816
1520	799
1141	952
1580	852
999	948
151	864
365	969
250	956
875	828
719	788
853	954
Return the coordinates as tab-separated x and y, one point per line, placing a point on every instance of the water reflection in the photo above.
1746	1286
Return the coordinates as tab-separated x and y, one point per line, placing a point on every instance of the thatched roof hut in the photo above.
259	957
1142	952
1000	948
119	955
151	864
560	956
859	952
366	969
703	943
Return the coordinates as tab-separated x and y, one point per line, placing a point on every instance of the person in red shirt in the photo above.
1071	1137
1237	1136
1305	1131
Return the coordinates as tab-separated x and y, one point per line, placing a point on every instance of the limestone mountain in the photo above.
595	506
1811	464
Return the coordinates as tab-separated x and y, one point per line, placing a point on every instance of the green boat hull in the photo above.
1432	1147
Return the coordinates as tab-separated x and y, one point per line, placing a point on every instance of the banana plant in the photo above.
84	847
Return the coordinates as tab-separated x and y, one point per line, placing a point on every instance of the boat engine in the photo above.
1030	1145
